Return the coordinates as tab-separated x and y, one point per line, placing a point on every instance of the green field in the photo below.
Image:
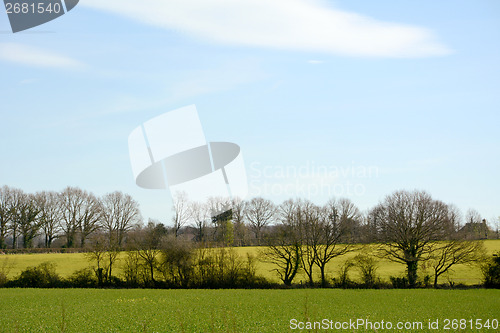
78	310
67	263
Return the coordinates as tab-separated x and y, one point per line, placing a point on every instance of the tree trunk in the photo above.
2	243
151	266
412	267
14	240
323	278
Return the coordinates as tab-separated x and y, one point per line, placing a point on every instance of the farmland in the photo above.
78	310
67	263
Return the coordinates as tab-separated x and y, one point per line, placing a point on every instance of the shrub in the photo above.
491	272
368	269
3	279
4	271
41	276
343	280
399	282
133	271
176	263
83	278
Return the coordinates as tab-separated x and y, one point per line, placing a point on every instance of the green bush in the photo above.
3	279
491	272
399	282
41	276
83	278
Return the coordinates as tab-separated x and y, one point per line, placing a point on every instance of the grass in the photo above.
67	263
77	310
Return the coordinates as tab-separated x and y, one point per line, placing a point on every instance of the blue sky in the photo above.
326	98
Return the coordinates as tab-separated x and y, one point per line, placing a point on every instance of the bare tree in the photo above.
199	215
332	230
373	222
181	211
310	224
105	255
92	213
453	252
14	226
72	202
259	213
350	218
5	216
411	222
24	217
240	229
473	216
50	215
454	220
81	213
148	249
284	245
497	227
120	212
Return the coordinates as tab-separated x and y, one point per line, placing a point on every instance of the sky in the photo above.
326	99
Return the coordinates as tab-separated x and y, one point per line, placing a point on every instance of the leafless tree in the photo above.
367	266
72	203
13	226
333	230
497	226
105	255
373	222
259	212
199	215
309	220
5	217
81	212
181	211
240	229
350	218
411	222
473	216
148	247
50	215
91	218
24	217
452	252
454	220
120	212
284	245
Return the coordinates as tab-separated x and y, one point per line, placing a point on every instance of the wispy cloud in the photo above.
218	79
315	62
37	57
306	25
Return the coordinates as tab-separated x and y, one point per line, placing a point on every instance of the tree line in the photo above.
409	227
70	216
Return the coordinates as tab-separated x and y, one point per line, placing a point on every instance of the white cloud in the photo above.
307	25
33	56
